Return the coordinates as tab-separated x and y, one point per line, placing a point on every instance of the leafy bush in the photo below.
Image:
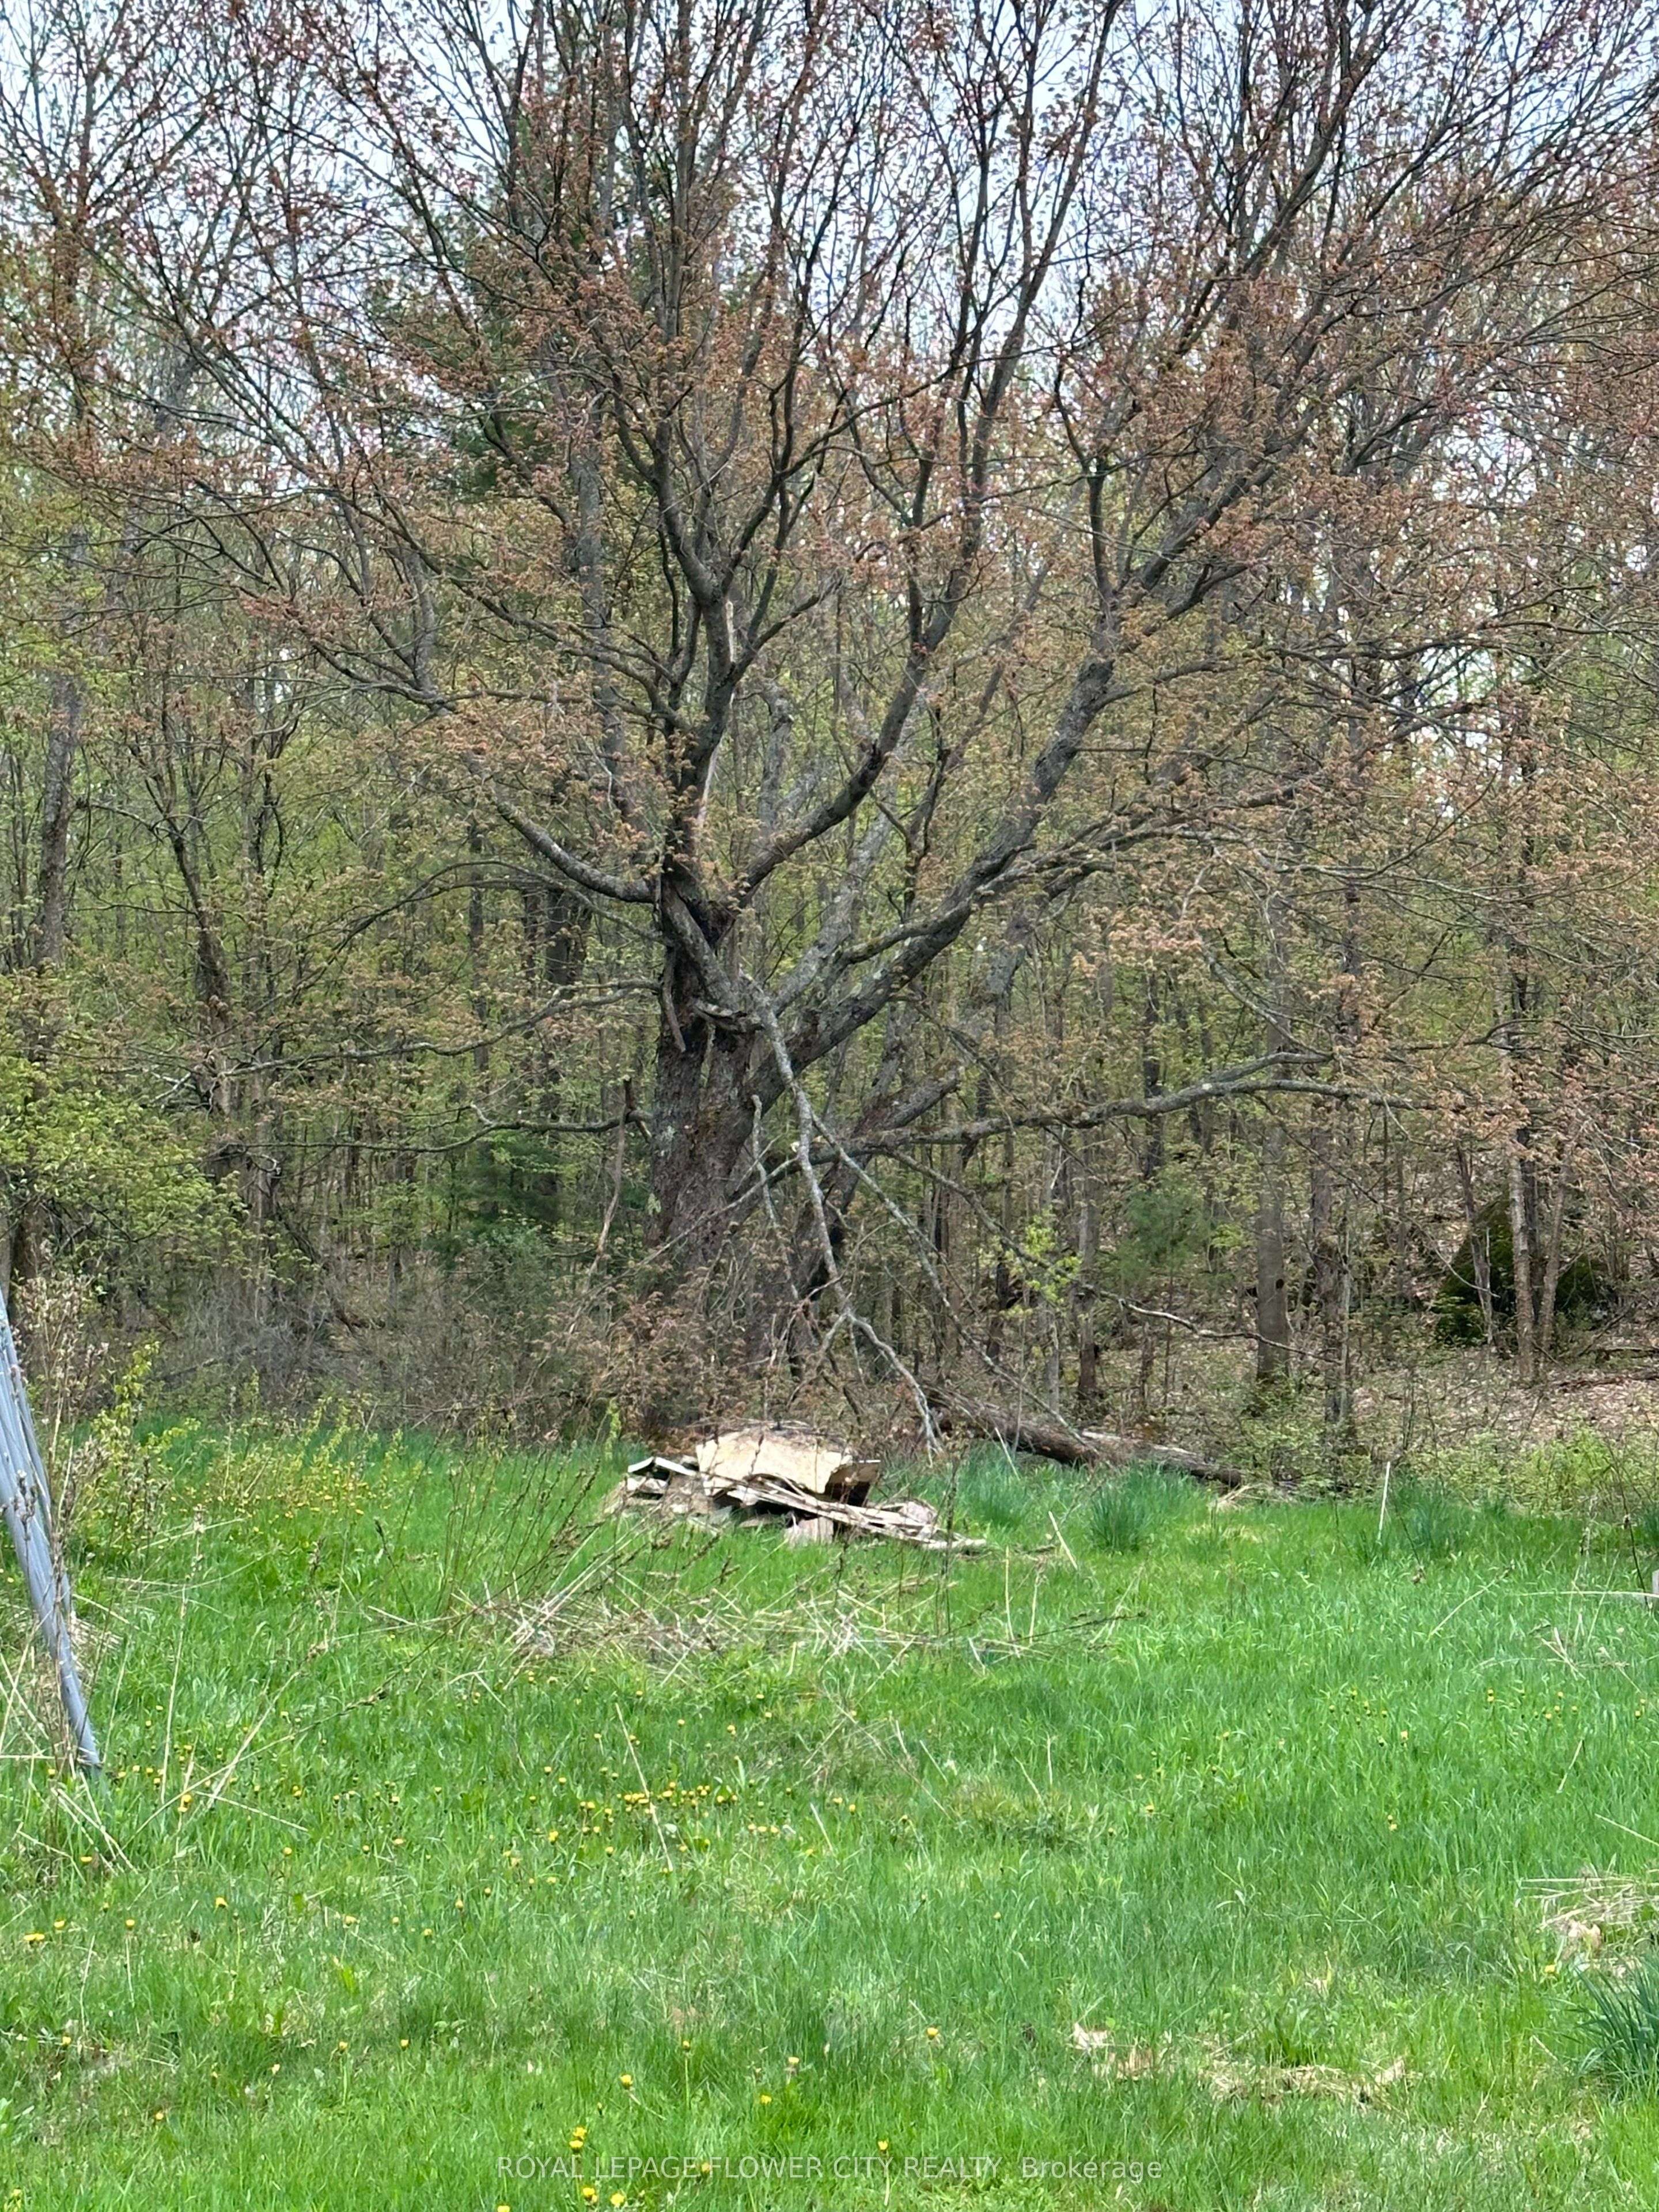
1621	2025
102	1175
1126	1512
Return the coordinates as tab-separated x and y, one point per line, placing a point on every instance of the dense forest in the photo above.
765	703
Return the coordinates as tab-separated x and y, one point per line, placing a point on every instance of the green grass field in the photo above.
459	1846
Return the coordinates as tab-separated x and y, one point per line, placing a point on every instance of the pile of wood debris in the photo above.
817	1488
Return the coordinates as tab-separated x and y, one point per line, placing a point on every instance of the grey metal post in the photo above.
26	1508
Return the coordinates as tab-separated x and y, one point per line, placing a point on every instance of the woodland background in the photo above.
897	705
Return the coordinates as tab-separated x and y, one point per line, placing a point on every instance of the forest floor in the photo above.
459	1846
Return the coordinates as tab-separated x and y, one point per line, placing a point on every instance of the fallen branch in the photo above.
1050	1437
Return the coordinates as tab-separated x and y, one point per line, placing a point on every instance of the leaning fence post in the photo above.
26	1507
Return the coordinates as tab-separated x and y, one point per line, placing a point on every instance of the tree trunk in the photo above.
701	1126
1526	1341
1480	1244
65	715
1272	1318
1088	1251
1553	1245
1329	1276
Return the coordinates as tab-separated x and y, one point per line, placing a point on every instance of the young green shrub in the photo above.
1621	2029
1131	1507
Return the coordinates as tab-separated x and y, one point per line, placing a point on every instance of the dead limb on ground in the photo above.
1050	1437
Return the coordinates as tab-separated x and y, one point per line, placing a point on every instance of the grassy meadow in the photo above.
460	1845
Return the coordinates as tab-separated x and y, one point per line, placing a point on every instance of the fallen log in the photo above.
1048	1438
1607	1382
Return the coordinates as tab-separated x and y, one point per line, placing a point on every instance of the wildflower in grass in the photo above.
766	2096
38	1934
933	2035
627	2081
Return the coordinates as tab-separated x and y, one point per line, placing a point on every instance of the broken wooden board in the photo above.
906	1521
782	1453
674	1488
667	1484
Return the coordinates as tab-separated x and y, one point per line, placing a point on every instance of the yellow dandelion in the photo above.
933	2035
627	2081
